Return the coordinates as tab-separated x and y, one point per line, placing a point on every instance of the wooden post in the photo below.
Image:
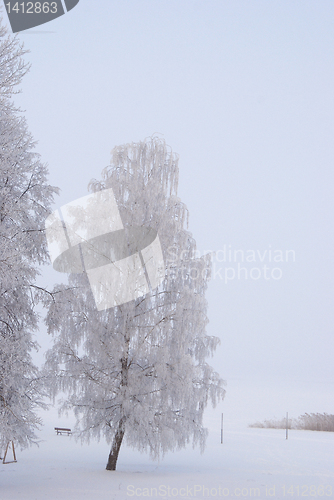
221	429
287	426
14	455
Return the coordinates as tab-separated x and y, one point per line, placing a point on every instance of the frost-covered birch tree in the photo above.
139	370
25	199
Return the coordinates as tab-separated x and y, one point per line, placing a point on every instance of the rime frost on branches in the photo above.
25	199
139	369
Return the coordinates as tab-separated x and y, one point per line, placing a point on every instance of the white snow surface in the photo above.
258	463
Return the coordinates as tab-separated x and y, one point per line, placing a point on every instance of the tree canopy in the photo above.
139	369
25	201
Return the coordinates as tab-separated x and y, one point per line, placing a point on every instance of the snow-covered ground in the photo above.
258	463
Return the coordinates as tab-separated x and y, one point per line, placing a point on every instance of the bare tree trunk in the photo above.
118	437
115	447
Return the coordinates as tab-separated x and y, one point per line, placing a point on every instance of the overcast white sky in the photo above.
243	92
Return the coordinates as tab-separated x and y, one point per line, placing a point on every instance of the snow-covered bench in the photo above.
62	430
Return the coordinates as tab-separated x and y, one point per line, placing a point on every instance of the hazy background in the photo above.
243	92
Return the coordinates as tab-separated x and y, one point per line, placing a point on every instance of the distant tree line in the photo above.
306	422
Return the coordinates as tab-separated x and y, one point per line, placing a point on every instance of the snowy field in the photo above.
258	463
